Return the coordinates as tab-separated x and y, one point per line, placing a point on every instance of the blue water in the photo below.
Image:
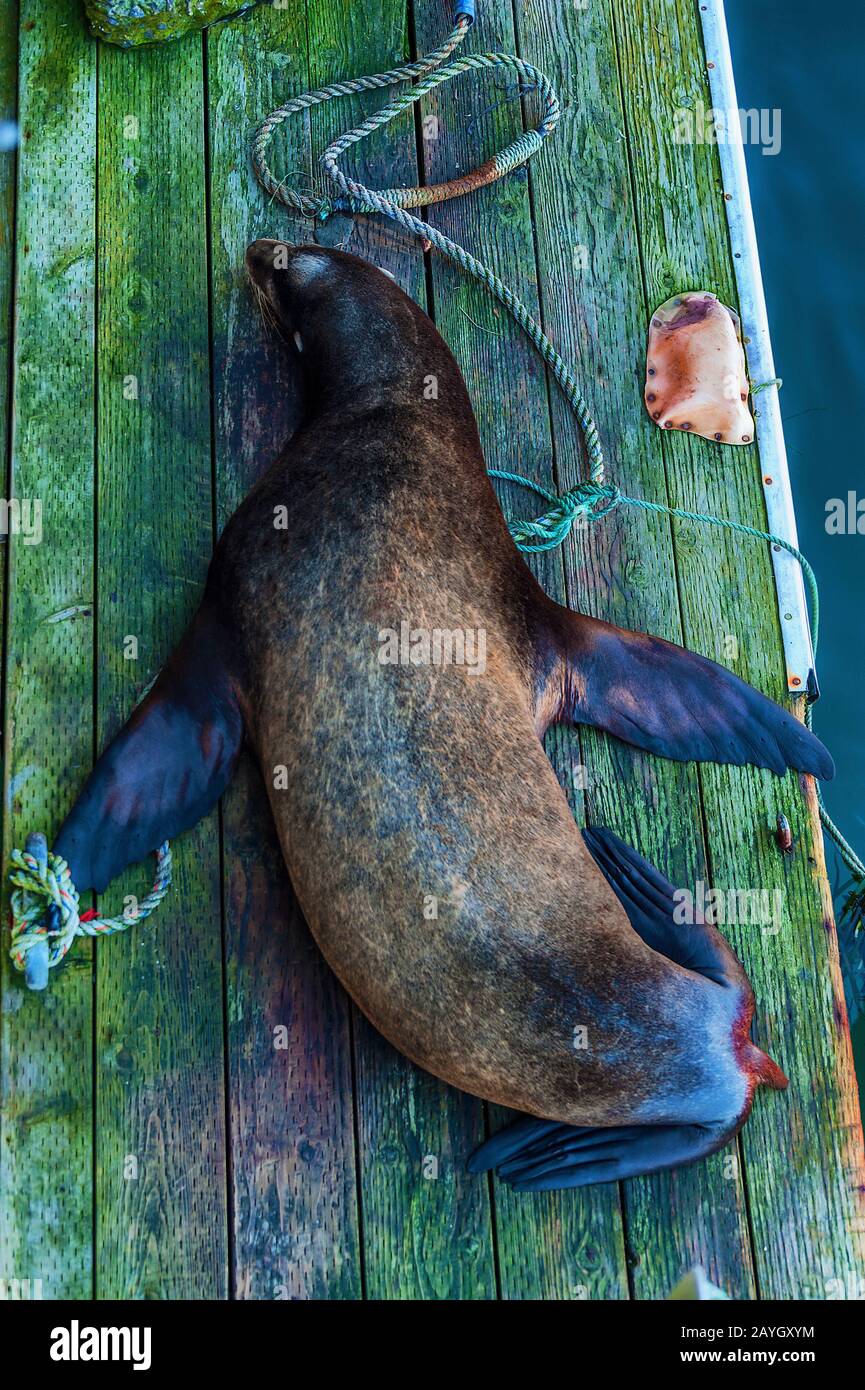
809	207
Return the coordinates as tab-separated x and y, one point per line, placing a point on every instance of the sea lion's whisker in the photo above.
265	308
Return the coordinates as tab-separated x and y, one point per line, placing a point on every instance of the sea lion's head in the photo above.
349	322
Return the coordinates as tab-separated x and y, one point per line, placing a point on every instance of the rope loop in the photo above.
45	906
433	73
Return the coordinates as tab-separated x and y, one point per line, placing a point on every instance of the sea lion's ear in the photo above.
668	700
166	768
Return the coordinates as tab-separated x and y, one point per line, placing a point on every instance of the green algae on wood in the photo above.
802	1148
46	1162
133	23
8	167
160	1105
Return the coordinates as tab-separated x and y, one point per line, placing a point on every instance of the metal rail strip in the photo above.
792	603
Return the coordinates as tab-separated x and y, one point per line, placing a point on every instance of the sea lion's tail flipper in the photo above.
166	768
538	1156
667	700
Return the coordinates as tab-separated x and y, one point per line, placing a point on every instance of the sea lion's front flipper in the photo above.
166	768
667	700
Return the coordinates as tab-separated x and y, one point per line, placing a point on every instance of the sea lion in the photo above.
404	770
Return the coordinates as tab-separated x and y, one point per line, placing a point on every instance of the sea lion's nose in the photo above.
261	254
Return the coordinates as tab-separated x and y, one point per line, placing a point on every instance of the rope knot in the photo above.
548	531
587	493
44	908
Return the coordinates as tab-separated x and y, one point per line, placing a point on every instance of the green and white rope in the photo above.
40	885
354	197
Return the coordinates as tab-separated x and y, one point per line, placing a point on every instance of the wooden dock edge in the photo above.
777	490
792	602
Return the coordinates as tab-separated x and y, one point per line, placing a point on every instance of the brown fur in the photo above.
411	783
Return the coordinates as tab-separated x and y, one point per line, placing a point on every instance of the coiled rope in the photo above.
354	197
45	916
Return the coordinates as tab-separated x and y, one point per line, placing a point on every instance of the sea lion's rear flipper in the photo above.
665	699
541	1155
649	899
537	1156
166	768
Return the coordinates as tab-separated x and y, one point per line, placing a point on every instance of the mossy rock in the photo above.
131	23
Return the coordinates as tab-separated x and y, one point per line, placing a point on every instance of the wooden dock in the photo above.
195	1110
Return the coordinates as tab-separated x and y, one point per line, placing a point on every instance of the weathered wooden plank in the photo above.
8	170
426	1223
46	1162
293	1162
160	1173
562	1245
8	166
803	1149
622	569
